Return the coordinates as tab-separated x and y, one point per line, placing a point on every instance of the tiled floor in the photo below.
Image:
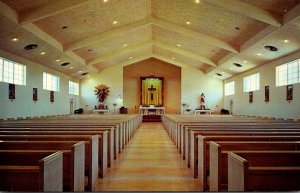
149	163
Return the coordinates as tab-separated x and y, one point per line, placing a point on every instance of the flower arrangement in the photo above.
102	92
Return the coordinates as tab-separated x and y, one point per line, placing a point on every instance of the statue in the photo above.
202	101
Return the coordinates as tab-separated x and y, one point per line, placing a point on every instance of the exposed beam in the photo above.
168	60
289	18
185	53
49	9
105	35
135	60
196	35
249	11
8	12
51	41
118	52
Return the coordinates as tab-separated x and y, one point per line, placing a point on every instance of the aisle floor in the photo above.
150	162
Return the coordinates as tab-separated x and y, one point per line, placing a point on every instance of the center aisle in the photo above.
149	163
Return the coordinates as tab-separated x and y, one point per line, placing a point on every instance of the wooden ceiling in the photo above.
209	35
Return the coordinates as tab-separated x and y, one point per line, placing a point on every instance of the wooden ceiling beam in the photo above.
249	11
105	35
196	35
185	53
49	9
119	52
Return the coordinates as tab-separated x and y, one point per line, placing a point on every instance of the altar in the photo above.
152	110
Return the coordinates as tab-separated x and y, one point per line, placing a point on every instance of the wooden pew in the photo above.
103	143
45	176
193	152
218	160
73	158
264	171
203	150
91	155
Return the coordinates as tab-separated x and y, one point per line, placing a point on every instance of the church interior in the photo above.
149	95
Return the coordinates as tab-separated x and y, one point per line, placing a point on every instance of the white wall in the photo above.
278	106
113	78
194	83
23	105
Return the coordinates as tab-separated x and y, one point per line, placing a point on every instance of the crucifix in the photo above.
151	89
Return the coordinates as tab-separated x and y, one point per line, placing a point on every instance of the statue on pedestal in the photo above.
202	101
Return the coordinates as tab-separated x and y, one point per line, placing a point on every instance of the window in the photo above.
229	88
251	83
12	72
73	88
288	73
50	82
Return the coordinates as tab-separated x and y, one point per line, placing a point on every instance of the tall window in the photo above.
251	83
229	88
50	82
73	88
12	72
288	73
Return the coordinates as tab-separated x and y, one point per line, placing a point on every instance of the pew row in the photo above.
45	176
264	171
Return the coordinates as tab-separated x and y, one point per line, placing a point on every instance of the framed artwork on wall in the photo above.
267	93
52	96
34	94
250	97
12	91
289	92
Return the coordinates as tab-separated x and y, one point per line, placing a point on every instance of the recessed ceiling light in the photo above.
259	54
43	53
79	71
57	60
231	68
223	72
124	45
178	45
14	39
245	61
286	41
71	67
197	1
114	22
130	57
104	1
188	23
285	10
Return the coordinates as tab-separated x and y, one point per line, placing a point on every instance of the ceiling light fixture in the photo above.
197	1
65	64
188	23
85	73
43	53
259	54
237	65
286	41
178	45
79	71
114	22
124	45
30	46
71	67
218	74
105	1
237	28
57	60
14	39
64	27
130	57
271	48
